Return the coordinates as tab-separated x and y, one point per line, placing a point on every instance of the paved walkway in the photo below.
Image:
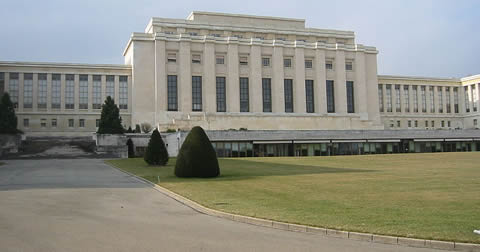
86	205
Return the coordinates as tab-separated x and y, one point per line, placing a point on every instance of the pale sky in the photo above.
434	38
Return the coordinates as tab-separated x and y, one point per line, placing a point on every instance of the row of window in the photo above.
54	123
221	98
266	62
69	90
427	124
414	92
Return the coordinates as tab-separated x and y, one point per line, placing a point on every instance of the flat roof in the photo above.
64	65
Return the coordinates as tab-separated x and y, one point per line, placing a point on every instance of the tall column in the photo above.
278	96
49	92
470	101
21	80
299	81
477	92
90	89
410	98
35	92
233	86
209	83
452	101
402	99
185	78
160	79
76	98
360	84
320	82
394	99
340	83
419	98
436	100
372	87
427	99
255	82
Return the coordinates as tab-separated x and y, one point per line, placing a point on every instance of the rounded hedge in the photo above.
197	158
156	153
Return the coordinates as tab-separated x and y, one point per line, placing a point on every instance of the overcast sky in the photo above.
433	38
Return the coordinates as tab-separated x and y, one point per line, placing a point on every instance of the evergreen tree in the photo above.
197	158
131	148
8	119
129	130
156	153
137	129
110	120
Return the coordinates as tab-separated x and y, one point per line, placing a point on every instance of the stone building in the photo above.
226	71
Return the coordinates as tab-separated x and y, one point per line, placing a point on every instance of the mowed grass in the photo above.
430	196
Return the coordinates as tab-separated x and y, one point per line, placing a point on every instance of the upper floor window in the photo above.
329	65
243	60
69	91
97	92
110	86
171	57
56	91
467	99
308	63
193	34
196	59
43	123
287	62
265	61
13	88
349	66
196	93
220	60
172	93
83	90
123	92
28	90
42	91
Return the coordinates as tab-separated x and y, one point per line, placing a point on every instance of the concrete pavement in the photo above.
86	205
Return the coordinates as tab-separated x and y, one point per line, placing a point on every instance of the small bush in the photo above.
146	127
129	130
137	129
156	153
197	158
171	130
131	148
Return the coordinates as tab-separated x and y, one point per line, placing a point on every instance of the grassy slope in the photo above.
432	196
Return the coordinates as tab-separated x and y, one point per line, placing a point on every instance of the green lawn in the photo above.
431	196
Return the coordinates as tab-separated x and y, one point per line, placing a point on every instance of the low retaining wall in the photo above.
112	144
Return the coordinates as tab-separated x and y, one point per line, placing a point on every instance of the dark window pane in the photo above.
288	88
244	103
267	94
309	96
221	102
350	97
330	97
172	93
196	93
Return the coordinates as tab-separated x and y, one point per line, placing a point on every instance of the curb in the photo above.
385	239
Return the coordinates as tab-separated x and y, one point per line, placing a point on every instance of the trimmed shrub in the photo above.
197	158
131	148
8	119
137	129
110	120
129	130
156	153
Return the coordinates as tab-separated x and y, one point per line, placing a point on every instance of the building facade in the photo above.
226	71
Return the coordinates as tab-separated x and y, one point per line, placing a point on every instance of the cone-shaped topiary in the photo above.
110	120
8	119
131	148
156	153
197	158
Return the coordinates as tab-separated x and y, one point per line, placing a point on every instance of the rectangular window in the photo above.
398	124
2	83
287	62
43	123
56	91
81	123
426	124
398	101
288	89
97	92
42	91
244	102
26	123
406	97
349	66
388	94
443	124
433	124
54	123
243	60
267	94
13	88
449	100
415	99
416	124
440	99
110	87
474	98
409	123
221	95
171	57
432	99
329	65
455	99
424	98
69	91
83	90
467	99
196	59
308	64
123	92
265	62
380	98
449	124
475	122
27	90
220	60
350	97
71	123
331	97
309	96
172	93
196	93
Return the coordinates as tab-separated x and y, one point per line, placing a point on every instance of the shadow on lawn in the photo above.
235	169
